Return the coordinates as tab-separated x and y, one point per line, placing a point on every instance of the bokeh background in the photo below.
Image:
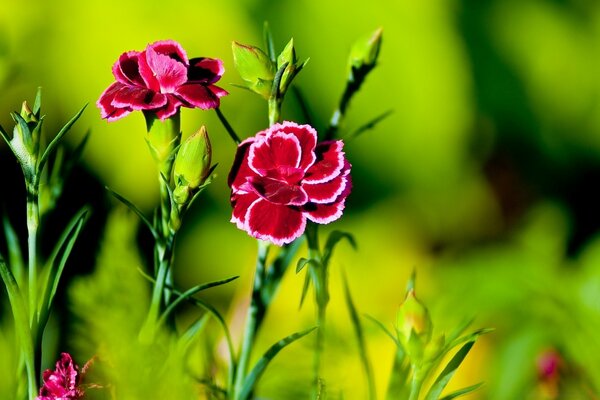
482	179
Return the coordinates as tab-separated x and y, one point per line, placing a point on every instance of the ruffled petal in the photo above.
150	80
169	72
329	163
241	202
205	70
278	192
170	108
273	152
326	192
170	48
240	170
324	213
138	98
198	96
307	137
107	109
126	69
275	223
217	91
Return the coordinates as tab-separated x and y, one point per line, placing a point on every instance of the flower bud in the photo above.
25	142
365	51
192	165
254	67
288	58
162	138
413	317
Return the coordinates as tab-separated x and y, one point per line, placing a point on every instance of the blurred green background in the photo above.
482	179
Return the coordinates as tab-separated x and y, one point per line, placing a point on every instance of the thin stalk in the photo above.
415	385
256	314
339	114
274	110
227	126
33	222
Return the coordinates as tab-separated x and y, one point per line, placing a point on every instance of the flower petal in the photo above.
275	223
169	109
169	72
324	213
278	192
240	170
126	69
273	152
170	48
307	137
241	202
138	98
205	70
329	163
326	192
104	103
198	96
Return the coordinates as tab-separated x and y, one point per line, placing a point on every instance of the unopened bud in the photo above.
254	67
413	317
192	165
288	59
365	51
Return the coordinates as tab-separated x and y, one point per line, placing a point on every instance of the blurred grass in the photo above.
482	178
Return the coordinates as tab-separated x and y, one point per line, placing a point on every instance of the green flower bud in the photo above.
192	165
254	67
288	56
162	138
25	142
365	51
413	317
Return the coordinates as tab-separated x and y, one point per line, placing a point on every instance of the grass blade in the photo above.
261	365
444	377
462	392
15	257
136	210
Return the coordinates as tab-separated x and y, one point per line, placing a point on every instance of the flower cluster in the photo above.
64	382
281	177
161	79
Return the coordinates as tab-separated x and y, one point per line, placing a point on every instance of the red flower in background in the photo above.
63	383
281	177
161	79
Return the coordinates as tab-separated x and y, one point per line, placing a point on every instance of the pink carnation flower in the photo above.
161	79
281	177
64	383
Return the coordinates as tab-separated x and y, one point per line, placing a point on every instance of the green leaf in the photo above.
369	125
462	392
398	387
6	138
58	260
360	338
261	365
52	145
15	257
277	81
136	210
190	334
448	372
303	262
385	330
37	103
334	238
191	292
268	39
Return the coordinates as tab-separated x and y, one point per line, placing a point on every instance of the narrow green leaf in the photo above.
78	151
360	338
6	137
385	330
190	334
23	124
261	365
58	260
37	103
136	210
191	292
52	145
277	81
301	264
448	372
462	392
334	238
15	257
268	39
369	125
226	123
398	387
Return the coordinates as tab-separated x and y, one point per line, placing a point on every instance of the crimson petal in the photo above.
198	95
241	202
169	72
205	70
240	169
170	48
276	223
126	69
324	213
326	192
278	192
138	98
330	161
104	103
274	151
307	137
169	109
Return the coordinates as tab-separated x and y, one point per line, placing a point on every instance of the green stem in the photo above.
256	314
33	221
275	110
22	328
415	385
227	126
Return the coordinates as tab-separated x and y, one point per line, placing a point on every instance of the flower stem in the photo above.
256	314
33	221
275	110
227	126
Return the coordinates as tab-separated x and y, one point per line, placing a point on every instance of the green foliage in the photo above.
110	306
